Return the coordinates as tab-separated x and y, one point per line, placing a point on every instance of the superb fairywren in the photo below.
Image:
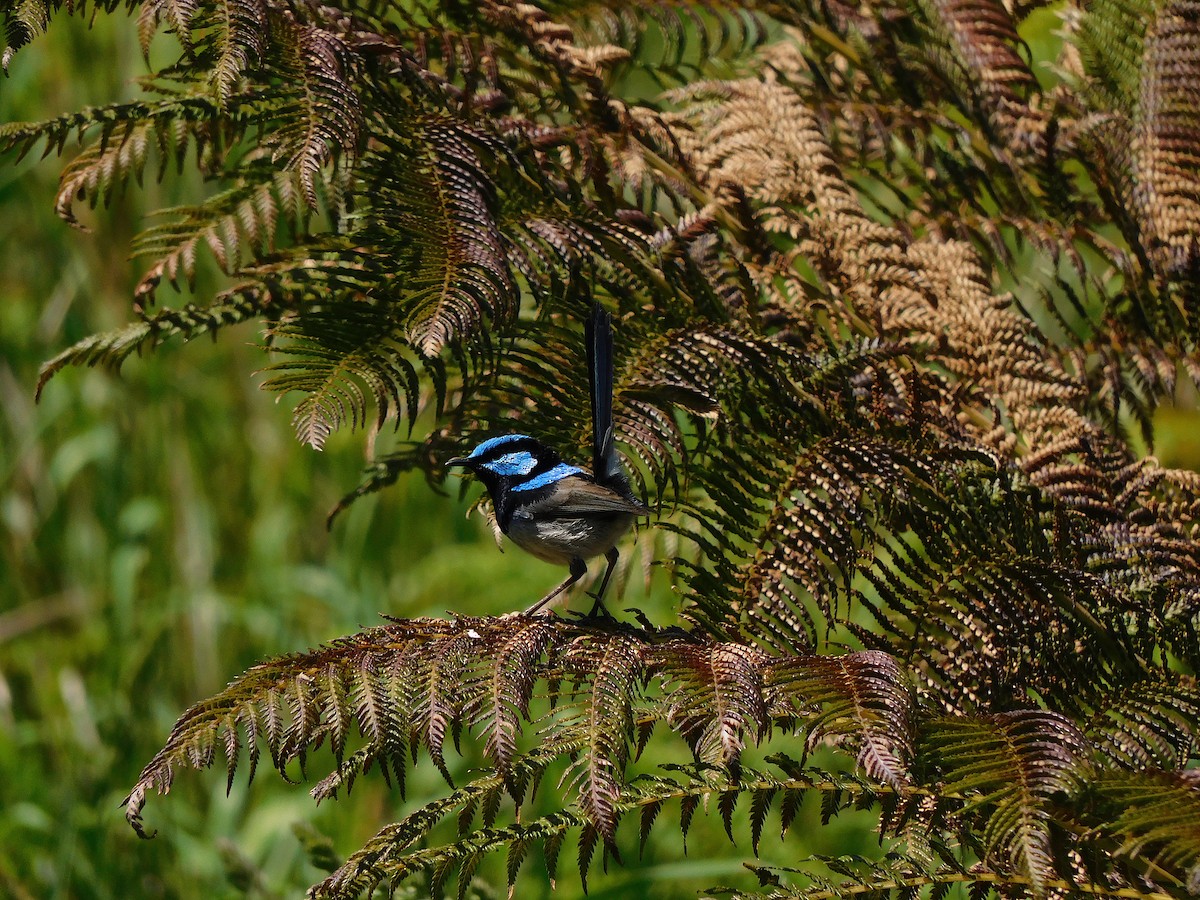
550	508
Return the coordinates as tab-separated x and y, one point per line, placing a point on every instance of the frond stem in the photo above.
1013	880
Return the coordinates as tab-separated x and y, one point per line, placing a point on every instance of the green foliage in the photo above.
889	293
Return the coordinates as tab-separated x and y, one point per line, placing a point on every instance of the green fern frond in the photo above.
344	359
1011	765
173	122
112	348
396	853
23	21
1110	41
238	226
708	373
902	881
383	857
1157	818
669	42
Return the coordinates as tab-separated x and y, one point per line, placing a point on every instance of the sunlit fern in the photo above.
887	291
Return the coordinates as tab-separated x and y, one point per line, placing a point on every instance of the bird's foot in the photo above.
598	612
641	618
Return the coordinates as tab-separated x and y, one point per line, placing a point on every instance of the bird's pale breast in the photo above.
560	540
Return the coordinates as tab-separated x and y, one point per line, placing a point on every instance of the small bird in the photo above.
557	511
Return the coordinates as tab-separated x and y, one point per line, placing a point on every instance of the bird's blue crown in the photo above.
491	444
524	456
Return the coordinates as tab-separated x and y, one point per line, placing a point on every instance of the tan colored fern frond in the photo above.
1166	147
761	136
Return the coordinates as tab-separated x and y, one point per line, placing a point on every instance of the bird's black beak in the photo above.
459	462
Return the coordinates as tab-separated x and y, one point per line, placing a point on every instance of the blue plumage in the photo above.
552	509
492	443
512	464
558	473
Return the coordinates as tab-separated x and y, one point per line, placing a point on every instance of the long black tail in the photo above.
606	467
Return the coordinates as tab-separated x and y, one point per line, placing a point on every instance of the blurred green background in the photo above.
162	531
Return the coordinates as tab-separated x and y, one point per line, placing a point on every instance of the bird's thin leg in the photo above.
598	607
578	570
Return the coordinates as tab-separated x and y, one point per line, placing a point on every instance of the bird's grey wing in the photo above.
574	496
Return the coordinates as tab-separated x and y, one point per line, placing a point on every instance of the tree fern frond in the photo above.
390	855
1129	530
511	684
440	217
790	555
112	348
895	879
422	681
889	288
23	21
425	680
1152	724
255	702
616	669
177	15
344	359
383	856
716	697
668	41
1158	820
709	373
174	121
397	685
244	31
863	700
322	118
238	226
98	171
1013	764
1167	161
395	853
985	42
1142	64
1111	35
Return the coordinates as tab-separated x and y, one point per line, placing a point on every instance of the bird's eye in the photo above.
512	464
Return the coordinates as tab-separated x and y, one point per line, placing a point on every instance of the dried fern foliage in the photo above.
890	292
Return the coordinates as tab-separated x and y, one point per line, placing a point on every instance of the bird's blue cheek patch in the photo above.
558	473
513	465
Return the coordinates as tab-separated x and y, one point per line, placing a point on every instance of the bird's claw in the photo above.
598	612
641	618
